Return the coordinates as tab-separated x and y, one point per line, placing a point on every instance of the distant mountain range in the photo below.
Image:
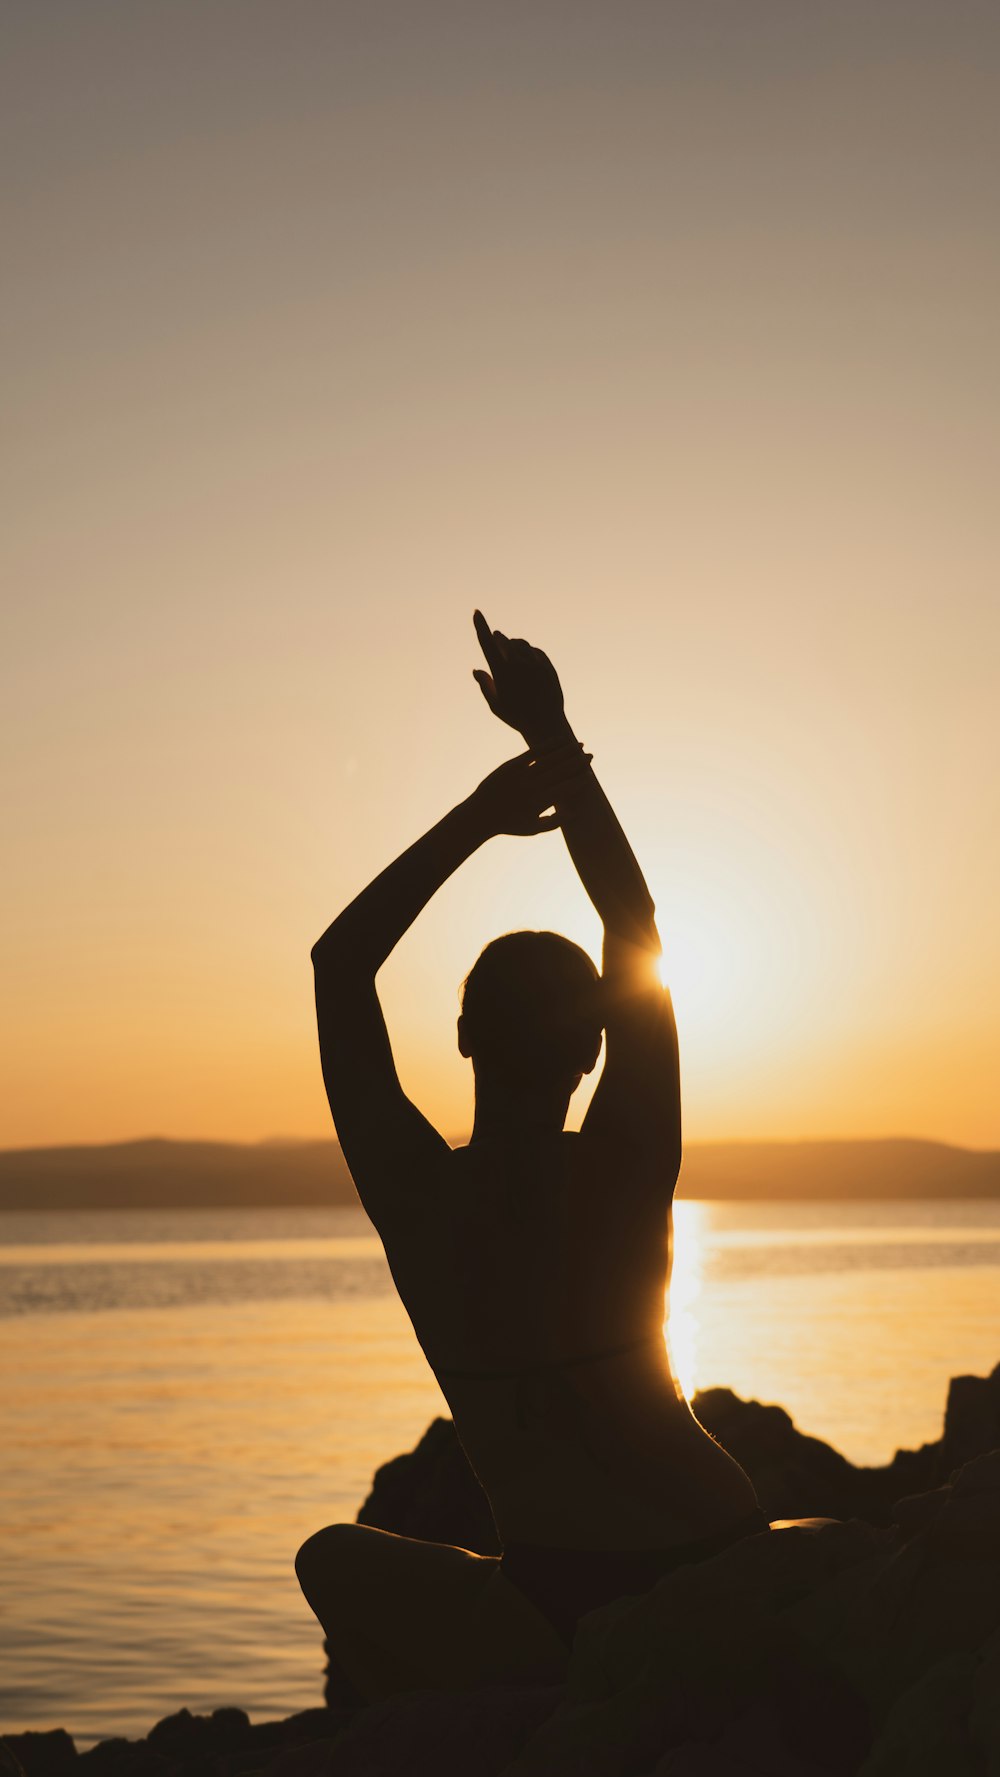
159	1174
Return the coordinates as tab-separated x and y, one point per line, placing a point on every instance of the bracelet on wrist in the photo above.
557	744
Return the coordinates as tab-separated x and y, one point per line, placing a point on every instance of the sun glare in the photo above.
681	1322
745	928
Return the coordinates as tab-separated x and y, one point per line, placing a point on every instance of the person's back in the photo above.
533	1269
534	1263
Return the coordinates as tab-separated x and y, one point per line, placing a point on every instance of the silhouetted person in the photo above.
533	1263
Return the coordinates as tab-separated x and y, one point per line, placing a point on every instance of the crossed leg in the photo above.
400	1614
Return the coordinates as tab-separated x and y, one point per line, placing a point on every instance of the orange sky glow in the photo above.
664	333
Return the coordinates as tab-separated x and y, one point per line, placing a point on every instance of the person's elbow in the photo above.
332	951
338	954
321	951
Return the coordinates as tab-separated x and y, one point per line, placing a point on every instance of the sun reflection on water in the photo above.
681	1324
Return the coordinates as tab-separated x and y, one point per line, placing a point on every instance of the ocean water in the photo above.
185	1396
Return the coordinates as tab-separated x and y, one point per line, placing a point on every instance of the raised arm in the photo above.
637	1101
383	1135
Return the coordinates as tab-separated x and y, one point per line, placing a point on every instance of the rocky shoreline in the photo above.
869	1647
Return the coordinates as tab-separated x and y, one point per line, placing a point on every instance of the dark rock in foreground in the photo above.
432	1493
855	1649
798	1476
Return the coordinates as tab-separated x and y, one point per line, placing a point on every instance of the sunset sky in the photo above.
664	332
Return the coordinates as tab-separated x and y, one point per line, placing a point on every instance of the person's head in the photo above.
531	1013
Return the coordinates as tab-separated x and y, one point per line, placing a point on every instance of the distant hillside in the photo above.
837	1169
157	1174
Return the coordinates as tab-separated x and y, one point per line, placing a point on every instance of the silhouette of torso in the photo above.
534	1268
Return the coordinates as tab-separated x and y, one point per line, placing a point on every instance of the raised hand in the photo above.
513	799
522	687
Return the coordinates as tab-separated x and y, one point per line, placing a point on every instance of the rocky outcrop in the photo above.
846	1649
223	1744
431	1492
851	1649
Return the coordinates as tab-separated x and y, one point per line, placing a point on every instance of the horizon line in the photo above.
279	1141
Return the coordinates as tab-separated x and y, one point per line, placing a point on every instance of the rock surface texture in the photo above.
868	1647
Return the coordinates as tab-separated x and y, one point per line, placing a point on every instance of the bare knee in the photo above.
325	1562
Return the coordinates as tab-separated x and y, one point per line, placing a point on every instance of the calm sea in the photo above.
186	1396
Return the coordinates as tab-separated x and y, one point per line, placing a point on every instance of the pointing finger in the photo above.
485	635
